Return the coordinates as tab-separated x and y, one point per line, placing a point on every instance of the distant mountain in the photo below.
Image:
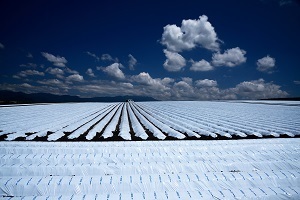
9	97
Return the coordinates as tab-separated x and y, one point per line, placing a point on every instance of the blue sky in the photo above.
169	50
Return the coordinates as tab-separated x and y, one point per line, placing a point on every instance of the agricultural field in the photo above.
149	121
150	150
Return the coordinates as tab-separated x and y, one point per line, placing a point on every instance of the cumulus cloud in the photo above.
230	58
29	72
132	62
59	73
183	91
174	62
258	89
74	78
266	64
192	33
167	81
188	80
55	60
154	87
90	72
144	78
93	55
1	46
113	70
201	66
206	83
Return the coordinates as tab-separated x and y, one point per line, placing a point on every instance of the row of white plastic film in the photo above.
232	169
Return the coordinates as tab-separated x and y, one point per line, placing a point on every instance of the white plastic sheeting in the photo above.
124	125
233	117
80	121
108	131
136	126
231	169
156	132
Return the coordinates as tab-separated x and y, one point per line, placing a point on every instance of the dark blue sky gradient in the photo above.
71	28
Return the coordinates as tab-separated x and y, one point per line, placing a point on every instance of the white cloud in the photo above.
183	91
174	62
127	85
93	55
188	80
114	70
167	81
70	71
59	73
201	65
154	87
265	64
90	72
258	89
74	78
1	46
56	60
132	62
107	57
230	58
26	85
143	78
29	72
206	83
191	34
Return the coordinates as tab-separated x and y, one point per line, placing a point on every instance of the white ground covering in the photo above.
215	169
177	119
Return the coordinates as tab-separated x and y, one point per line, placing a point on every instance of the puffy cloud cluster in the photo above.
74	78
113	70
194	33
258	89
230	58
191	34
174	62
206	83
59	73
201	65
56	60
266	64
